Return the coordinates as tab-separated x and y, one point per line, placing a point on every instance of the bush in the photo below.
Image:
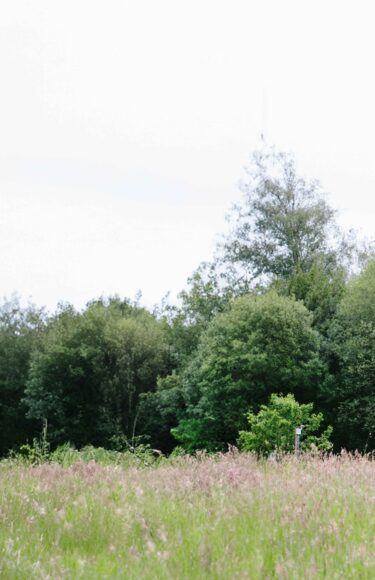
273	428
66	455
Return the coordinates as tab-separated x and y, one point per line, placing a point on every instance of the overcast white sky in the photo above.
125	125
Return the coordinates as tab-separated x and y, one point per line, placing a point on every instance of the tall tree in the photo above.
282	225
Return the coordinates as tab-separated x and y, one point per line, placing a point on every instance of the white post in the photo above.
297	438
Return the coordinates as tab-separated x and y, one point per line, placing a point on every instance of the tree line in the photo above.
286	306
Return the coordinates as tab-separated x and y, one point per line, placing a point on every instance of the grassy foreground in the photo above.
221	517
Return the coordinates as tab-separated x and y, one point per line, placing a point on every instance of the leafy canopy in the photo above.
283	223
93	366
259	345
21	329
352	345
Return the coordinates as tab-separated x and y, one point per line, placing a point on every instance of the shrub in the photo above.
273	428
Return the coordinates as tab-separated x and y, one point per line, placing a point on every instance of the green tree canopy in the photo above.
259	345
352	344
200	302
319	288
87	378
358	304
20	331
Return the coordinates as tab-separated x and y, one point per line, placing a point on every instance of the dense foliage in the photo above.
278	310
259	345
273	428
92	367
20	334
352	344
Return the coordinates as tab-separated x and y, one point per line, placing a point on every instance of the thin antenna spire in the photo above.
263	134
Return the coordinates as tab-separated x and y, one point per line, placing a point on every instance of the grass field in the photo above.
221	517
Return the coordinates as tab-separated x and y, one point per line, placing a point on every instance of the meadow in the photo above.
224	516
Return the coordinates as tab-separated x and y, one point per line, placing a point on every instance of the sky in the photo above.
125	127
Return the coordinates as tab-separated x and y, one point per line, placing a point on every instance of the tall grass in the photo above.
211	517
